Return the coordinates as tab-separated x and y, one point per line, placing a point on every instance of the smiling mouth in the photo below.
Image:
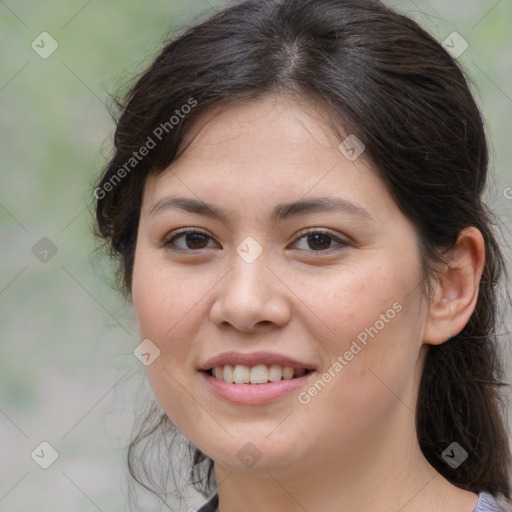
259	374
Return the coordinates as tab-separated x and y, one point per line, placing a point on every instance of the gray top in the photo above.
486	503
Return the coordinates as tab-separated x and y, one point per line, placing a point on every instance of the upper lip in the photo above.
253	359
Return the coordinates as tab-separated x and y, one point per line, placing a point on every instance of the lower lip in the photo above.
251	394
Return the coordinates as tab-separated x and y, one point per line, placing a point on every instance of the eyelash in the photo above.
169	241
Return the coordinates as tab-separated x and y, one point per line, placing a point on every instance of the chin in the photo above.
253	452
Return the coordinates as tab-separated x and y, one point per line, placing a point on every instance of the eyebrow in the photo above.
281	211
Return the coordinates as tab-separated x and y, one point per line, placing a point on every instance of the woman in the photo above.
296	203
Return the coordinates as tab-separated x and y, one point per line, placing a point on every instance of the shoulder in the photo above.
487	503
211	505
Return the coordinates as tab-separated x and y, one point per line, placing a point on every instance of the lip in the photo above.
253	359
253	394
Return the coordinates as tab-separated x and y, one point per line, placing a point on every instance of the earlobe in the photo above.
456	293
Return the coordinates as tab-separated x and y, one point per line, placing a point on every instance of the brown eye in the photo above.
193	240
320	241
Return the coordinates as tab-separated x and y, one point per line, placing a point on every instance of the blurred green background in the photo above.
67	372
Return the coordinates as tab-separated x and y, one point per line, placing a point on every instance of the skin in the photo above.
354	443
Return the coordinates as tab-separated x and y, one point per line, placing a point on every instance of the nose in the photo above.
251	296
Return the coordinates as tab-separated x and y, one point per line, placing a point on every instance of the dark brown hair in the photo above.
386	80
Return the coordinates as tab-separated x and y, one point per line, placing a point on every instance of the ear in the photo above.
456	288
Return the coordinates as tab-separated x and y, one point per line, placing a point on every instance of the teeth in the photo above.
288	372
241	374
259	374
227	374
218	372
275	373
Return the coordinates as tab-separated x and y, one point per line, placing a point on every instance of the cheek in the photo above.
165	305
169	305
373	342
164	299
357	303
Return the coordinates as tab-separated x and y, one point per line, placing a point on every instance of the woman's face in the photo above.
346	302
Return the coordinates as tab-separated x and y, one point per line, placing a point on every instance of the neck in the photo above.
382	469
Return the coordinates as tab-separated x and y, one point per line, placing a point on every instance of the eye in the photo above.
320	240
194	240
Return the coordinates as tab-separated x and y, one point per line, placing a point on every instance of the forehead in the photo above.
272	122
264	153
